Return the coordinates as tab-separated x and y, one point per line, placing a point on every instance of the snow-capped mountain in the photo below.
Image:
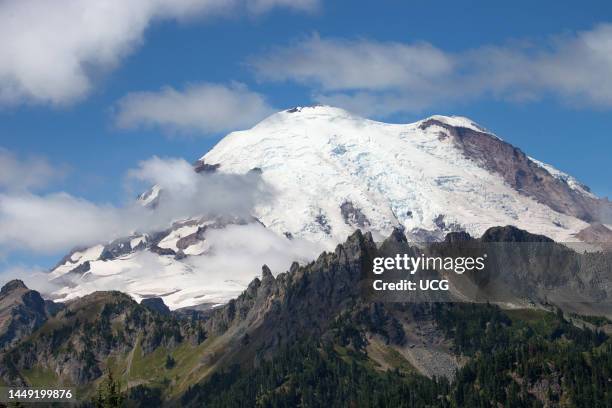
333	172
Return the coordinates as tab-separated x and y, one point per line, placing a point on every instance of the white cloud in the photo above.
34	277
52	223
52	51
59	221
202	108
47	223
340	65
234	257
262	6
381	78
26	173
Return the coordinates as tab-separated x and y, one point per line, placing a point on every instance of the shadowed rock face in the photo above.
300	302
596	233
512	234
21	312
156	304
353	215
201	167
523	174
273	311
303	301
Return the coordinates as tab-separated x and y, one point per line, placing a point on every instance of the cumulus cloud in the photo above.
26	173
382	78
189	194
47	223
57	222
234	257
68	43
203	108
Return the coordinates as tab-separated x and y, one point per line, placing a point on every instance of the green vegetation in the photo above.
598	321
109	393
40	377
313	374
516	359
532	362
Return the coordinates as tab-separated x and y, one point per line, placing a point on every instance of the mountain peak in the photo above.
317	109
335	172
331	173
13	285
308	112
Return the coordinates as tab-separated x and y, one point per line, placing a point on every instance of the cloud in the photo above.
47	223
69	43
26	173
58	222
382	78
186	193
363	64
234	257
203	108
34	277
262	6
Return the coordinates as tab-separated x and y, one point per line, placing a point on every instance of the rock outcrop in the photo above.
22	311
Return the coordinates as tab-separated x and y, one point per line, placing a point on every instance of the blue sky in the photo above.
79	131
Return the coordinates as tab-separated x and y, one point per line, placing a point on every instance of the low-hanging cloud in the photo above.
234	257
382	78
200	108
57	222
47	223
69	43
35	277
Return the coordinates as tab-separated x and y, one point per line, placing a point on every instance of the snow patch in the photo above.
573	183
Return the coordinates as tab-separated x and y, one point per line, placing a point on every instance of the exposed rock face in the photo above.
441	223
157	305
162	251
21	312
306	300
598	234
301	302
523	267
323	222
202	167
116	249
512	234
191	239
522	173
353	215
314	300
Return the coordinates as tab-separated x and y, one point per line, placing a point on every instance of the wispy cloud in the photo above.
25	173
201	109
381	78
235	256
69	43
47	223
57	222
34	277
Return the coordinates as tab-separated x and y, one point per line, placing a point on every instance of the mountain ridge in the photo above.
332	173
322	301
